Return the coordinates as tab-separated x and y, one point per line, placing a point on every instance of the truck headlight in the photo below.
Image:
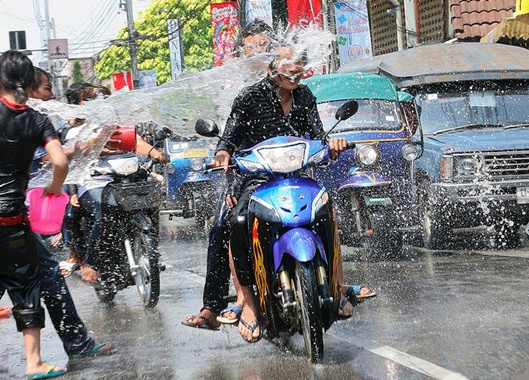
409	152
466	166
366	154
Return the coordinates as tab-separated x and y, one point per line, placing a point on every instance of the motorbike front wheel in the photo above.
148	274
308	301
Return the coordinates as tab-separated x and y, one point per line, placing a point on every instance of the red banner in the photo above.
225	30
304	12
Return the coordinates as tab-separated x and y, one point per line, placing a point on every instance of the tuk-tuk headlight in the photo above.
409	152
197	164
366	154
170	168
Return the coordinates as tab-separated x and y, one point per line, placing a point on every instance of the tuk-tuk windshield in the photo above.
373	114
443	112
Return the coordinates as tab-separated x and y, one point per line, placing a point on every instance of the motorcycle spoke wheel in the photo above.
310	312
148	274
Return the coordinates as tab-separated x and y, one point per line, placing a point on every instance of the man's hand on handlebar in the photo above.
221	159
337	146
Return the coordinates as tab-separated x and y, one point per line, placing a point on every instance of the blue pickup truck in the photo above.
471	102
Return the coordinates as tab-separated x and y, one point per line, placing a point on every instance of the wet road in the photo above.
441	315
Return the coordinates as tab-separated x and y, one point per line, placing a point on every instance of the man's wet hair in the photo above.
254	28
74	94
79	92
37	79
302	55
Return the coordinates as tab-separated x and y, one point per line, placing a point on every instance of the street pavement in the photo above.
440	315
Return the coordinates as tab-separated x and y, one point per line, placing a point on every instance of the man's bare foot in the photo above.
43	368
206	319
88	274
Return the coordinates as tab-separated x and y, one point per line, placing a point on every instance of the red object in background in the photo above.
126	137
303	12
120	80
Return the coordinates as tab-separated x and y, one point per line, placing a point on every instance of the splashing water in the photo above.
178	104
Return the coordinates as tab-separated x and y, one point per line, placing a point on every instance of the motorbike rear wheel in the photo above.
308	301
148	275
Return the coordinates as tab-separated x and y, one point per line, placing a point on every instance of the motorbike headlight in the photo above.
409	152
170	168
197	164
466	166
366	154
285	159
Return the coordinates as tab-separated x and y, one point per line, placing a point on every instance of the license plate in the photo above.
196	152
522	195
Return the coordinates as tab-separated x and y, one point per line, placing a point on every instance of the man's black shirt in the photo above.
257	115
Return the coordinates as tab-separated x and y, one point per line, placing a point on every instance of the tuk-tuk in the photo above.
372	184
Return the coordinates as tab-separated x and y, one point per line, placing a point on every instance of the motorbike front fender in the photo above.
364	179
300	243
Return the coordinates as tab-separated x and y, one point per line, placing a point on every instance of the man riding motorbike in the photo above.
275	106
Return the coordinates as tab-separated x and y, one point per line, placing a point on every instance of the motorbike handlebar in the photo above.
350	145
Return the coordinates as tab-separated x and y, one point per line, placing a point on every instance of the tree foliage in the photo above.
77	75
152	44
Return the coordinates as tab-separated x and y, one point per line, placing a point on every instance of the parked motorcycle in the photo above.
294	236
130	223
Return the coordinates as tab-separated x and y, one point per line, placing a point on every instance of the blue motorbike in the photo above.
293	235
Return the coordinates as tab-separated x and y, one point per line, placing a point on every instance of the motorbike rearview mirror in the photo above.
344	112
206	128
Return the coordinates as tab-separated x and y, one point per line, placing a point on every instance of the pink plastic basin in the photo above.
46	213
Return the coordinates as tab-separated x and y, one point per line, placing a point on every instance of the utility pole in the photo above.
132	45
397	13
241	5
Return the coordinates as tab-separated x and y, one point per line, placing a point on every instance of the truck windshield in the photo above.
373	114
443	113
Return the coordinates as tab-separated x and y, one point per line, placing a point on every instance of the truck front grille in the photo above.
507	165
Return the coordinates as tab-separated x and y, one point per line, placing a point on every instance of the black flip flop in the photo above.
252	329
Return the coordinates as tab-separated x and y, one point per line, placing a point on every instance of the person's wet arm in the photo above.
234	131
59	163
